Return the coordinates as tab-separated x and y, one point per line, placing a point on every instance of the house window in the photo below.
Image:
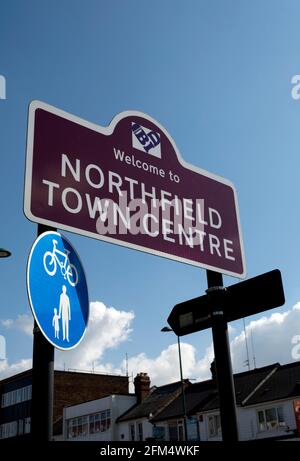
173	432
108	419
140	432
97	422
27	425
214	426
17	396
79	425
85	425
70	430
9	430
82	426
131	432
92	424
21	426
74	423
270	418
180	430
105	420
176	431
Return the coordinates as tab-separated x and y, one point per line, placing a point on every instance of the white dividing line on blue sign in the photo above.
57	290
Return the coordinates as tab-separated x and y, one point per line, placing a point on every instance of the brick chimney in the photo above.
141	386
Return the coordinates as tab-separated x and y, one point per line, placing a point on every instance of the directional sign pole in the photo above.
42	380
213	310
222	359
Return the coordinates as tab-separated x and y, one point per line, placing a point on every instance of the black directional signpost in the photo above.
249	297
213	310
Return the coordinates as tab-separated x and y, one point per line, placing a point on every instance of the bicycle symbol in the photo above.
68	270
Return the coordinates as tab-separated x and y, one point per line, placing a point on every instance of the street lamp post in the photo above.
165	330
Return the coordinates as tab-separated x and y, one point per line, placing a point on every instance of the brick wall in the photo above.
71	388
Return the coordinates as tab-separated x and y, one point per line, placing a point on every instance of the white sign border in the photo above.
34	105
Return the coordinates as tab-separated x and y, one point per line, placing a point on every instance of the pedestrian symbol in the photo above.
57	290
64	315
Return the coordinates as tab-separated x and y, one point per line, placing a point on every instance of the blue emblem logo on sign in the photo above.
57	290
145	140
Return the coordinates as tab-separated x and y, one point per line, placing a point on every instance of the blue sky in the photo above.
217	75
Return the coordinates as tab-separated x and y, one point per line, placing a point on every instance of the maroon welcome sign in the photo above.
127	184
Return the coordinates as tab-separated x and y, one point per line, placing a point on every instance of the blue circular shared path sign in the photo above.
57	290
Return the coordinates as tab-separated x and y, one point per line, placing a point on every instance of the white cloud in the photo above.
23	322
297	306
108	327
7	369
272	338
165	367
231	329
7	323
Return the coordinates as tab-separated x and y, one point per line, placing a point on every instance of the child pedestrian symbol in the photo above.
55	323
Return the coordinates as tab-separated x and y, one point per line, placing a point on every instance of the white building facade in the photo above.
270	419
95	420
137	430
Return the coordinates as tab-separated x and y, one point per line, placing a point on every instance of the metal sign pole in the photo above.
42	381
182	392
222	359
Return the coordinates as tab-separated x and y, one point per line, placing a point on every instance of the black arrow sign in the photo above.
246	298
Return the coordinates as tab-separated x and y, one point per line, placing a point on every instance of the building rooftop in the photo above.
272	382
196	395
245	383
285	383
28	373
155	402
